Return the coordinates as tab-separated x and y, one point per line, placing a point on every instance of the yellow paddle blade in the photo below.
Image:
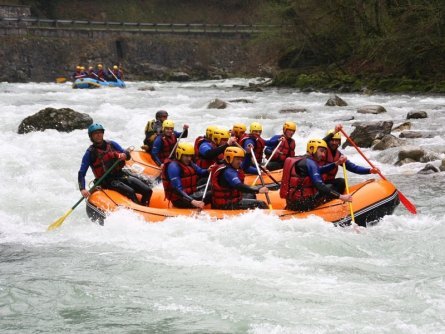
60	80
270	207
59	221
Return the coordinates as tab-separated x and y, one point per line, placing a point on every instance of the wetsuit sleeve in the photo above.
85	164
184	133
200	171
207	152
314	174
327	168
157	147
174	175
273	142
231	177
350	166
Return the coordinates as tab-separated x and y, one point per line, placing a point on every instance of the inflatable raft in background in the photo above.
85	83
372	200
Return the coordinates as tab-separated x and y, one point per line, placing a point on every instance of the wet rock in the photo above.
146	88
217	104
442	166
417	155
336	101
428	169
179	76
292	110
415	134
241	101
416	115
386	142
63	120
252	89
371	109
344	119
365	134
402	127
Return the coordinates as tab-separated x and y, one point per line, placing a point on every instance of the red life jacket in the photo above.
286	150
200	161
167	146
101	74
331	158
259	146
294	186
102	160
189	180
223	196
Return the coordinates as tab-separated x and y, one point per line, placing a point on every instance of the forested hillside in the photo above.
331	44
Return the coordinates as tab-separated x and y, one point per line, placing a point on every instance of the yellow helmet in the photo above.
82	67
336	135
115	67
168	124
99	66
78	67
314	144
90	68
184	148
232	152
239	129
289	126
255	126
220	134
209	131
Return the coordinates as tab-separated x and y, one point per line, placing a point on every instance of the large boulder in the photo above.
365	134
428	169
63	120
371	109
217	104
387	141
402	127
415	155
336	101
416	115
415	134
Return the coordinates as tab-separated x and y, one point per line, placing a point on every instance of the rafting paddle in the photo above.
268	160
405	201
176	145
60	221
347	192
261	177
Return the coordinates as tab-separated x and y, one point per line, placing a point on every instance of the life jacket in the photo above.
189	180
199	160
224	196
101	74
294	186
152	129
259	146
331	158
286	149
103	159
168	143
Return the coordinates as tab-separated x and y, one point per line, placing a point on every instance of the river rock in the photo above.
63	120
415	155
371	109
217	104
442	166
292	110
179	76
146	88
402	127
428	169
336	101
386	142
241	101
416	115
344	119
365	134
414	134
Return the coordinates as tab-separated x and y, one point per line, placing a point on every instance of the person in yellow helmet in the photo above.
100	72
253	141
78	73
228	184
153	129
165	142
210	150
180	179
286	149
333	140
302	184
238	130
118	73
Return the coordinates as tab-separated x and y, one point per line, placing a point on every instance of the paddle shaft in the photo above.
59	221
261	178
406	202
269	174
99	78
267	162
207	186
347	192
176	145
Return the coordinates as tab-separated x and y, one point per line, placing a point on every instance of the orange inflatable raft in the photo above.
371	201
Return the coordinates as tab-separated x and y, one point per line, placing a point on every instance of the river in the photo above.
249	274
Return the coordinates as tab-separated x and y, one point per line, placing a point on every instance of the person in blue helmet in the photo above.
100	156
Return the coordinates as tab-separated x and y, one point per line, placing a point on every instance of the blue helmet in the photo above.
95	127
